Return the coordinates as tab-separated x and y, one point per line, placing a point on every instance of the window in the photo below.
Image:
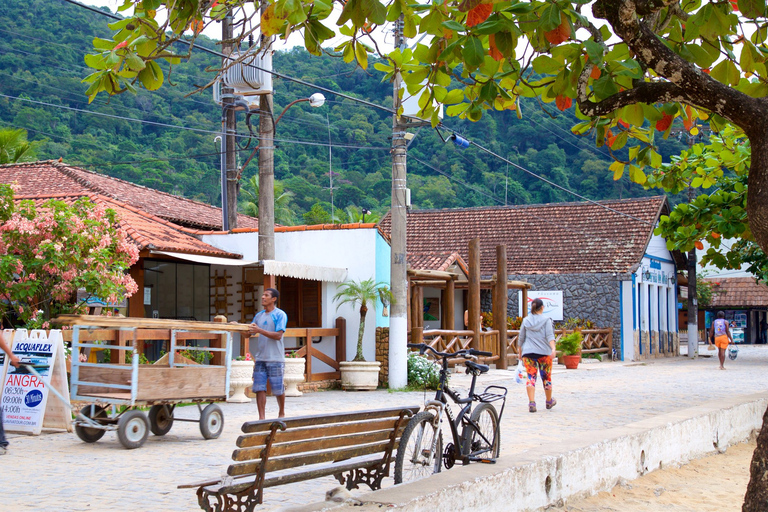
178	290
300	299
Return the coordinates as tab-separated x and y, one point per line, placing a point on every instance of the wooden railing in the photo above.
309	352
595	341
452	341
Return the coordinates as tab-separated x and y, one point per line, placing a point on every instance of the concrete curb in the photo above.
578	466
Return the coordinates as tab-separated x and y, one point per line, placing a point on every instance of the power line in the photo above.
199	130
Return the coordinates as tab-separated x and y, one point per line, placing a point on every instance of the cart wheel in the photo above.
132	429
89	434
160	419
211	421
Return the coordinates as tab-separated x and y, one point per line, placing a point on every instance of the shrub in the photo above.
570	344
422	373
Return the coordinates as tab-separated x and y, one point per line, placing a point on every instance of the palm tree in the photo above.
284	213
363	293
14	146
355	214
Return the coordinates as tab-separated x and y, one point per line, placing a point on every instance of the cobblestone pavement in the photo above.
58	472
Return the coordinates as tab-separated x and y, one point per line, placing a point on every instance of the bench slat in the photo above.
245	481
292	461
301	434
311	445
251	427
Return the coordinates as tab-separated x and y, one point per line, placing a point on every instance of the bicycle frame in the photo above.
440	404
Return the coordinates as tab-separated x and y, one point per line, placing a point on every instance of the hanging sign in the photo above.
553	303
24	398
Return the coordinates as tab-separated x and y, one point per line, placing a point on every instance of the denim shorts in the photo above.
272	371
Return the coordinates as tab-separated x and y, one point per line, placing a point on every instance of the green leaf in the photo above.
550	18
594	51
752	8
362	55
545	65
151	76
604	86
634	114
701	57
454	96
618	170
473	52
454	25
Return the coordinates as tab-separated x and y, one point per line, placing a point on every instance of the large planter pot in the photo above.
293	375
240	378
359	375
571	362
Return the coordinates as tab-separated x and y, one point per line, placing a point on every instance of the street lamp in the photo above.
267	126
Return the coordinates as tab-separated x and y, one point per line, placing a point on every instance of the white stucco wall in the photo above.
357	250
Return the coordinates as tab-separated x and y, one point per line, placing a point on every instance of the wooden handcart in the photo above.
119	393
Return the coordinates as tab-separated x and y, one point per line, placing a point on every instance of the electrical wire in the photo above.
199	130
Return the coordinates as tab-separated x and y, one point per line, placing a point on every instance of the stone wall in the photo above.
590	296
382	354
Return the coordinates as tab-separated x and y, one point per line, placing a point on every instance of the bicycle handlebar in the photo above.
465	352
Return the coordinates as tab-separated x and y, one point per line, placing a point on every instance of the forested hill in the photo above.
41	67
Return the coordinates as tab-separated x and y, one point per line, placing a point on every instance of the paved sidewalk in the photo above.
58	472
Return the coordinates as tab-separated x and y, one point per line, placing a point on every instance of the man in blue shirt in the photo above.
269	357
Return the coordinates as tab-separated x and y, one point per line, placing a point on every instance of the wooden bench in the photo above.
355	447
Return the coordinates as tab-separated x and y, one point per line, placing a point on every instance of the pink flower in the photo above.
248	356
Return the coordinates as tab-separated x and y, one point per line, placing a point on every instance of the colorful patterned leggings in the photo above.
542	364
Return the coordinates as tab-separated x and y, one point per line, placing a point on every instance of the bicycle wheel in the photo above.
415	458
485	440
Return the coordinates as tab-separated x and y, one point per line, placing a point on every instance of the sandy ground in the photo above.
712	484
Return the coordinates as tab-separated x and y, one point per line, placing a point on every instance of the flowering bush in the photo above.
422	372
246	357
48	251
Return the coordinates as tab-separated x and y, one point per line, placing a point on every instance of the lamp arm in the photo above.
286	108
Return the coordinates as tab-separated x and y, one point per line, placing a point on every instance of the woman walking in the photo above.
537	350
722	336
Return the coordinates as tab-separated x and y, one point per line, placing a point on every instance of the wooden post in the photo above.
341	341
118	356
447	297
500	304
417	335
308	363
220	340
415	310
525	302
420	306
474	291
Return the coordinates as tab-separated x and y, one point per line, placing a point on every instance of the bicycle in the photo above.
476	434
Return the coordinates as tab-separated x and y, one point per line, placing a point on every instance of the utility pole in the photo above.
266	168
693	304
229	145
398	320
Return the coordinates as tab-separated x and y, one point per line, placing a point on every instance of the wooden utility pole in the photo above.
693	304
500	299
398	321
473	309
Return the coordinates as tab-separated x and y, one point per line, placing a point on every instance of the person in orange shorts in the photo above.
720	332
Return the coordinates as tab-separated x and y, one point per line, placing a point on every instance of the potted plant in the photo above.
240	378
294	373
360	374
569	347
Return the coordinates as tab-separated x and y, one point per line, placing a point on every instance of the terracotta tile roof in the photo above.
737	292
558	238
52	177
441	261
145	230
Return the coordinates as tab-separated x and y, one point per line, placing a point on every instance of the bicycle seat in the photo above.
480	368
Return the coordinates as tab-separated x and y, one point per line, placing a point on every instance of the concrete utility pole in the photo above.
693	304
398	319
266	178
229	145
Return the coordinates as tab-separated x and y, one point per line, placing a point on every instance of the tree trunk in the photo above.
756	498
360	331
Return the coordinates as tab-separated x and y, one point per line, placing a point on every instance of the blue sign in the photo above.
33	398
656	264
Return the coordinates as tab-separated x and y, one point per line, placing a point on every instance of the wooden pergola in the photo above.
449	282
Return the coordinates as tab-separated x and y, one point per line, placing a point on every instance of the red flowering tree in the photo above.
48	252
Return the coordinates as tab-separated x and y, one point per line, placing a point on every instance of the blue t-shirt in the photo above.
267	349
